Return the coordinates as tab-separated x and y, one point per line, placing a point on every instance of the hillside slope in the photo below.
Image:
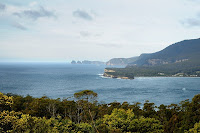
187	50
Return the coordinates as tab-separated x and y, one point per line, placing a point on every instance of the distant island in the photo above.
181	59
88	62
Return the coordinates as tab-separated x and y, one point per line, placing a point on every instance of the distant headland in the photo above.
88	62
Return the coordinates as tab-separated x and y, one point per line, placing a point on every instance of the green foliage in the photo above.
84	127
119	119
38	115
87	95
146	125
187	68
8	119
5	101
149	109
18	122
196	129
125	121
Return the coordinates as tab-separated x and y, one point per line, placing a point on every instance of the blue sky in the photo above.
65	30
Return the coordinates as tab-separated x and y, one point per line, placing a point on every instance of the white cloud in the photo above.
192	22
35	14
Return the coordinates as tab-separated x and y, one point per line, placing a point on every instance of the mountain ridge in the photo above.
177	52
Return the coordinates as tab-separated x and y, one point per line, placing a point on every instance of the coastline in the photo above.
112	73
115	77
123	77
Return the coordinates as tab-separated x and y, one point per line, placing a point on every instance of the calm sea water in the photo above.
62	80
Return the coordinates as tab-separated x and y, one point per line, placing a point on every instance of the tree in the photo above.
85	100
149	109
87	95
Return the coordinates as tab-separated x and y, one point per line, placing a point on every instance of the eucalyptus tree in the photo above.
85	100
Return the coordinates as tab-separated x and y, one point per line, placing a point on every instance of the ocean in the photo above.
62	80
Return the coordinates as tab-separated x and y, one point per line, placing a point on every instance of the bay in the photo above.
62	80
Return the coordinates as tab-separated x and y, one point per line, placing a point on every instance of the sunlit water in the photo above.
62	80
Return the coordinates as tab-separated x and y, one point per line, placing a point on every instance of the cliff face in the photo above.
88	62
93	62
108	71
113	74
121	61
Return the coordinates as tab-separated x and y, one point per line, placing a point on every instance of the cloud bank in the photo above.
83	15
35	14
192	22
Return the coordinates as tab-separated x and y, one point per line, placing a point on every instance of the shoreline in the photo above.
122	77
116	77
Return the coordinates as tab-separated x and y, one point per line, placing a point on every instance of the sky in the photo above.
65	30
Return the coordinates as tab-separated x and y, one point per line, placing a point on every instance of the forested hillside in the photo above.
187	50
181	59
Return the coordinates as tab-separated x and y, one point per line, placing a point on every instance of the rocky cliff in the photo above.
121	61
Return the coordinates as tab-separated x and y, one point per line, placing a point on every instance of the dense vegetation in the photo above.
85	114
186	68
187	49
